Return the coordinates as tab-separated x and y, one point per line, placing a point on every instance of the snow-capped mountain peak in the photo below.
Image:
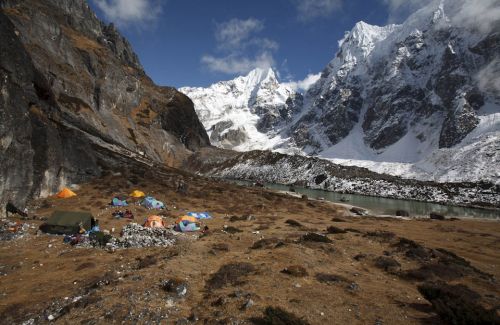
412	93
242	113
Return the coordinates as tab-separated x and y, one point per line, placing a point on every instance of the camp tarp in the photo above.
152	203
65	193
154	222
119	202
68	222
137	194
200	215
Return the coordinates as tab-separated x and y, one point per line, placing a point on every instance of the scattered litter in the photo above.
127	214
10	230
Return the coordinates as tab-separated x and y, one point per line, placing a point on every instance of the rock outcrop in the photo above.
75	100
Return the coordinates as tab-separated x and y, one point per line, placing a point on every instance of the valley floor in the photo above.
368	274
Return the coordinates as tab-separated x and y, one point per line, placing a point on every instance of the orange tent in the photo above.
187	218
154	222
65	193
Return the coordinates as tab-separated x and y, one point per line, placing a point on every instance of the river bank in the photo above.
384	206
314	173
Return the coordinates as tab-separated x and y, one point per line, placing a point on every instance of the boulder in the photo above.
402	213
436	216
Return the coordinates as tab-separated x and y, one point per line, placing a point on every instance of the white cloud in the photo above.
489	77
305	84
233	33
238	64
482	14
308	10
240	50
127	12
399	10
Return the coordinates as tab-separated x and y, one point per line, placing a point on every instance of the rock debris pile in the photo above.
136	236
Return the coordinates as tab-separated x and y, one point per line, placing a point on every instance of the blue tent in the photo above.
152	203
200	215
118	202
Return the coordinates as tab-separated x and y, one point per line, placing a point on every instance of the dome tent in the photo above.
137	194
154	222
65	193
152	203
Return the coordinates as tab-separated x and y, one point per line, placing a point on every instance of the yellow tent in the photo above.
65	193
137	193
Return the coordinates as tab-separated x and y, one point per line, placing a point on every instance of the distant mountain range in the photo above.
420	99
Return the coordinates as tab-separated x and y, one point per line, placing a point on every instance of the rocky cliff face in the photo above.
75	100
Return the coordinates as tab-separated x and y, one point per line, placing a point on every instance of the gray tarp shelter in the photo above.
68	222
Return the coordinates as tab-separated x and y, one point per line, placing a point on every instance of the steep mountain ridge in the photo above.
76	101
407	99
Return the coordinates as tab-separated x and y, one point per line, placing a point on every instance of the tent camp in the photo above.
137	194
152	203
68	222
65	193
154	222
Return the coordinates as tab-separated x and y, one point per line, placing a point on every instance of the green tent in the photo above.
68	222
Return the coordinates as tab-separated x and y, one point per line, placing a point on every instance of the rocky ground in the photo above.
267	258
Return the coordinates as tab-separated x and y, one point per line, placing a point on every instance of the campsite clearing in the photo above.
368	272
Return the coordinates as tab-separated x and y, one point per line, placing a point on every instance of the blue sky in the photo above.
199	42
